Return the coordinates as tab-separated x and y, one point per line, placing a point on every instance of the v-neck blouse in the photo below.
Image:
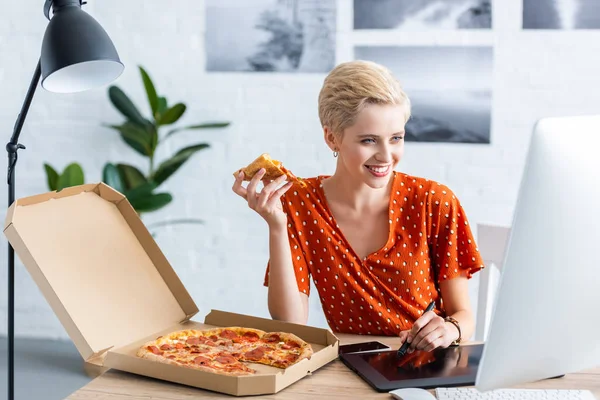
429	241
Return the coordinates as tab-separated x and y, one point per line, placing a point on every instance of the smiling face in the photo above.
372	147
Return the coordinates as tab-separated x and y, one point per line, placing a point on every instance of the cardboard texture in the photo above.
112	288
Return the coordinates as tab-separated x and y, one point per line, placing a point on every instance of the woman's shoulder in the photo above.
305	190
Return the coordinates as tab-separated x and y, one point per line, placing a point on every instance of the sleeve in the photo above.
453	249
298	254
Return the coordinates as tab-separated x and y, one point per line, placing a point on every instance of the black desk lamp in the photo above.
76	55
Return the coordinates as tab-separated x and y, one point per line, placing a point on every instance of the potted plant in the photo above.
142	135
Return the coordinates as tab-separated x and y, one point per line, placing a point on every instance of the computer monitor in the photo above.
546	315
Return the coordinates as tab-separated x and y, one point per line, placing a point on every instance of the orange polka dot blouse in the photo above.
429	241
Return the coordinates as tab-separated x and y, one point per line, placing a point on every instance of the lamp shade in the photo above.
77	54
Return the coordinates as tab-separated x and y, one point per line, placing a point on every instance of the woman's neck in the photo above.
357	196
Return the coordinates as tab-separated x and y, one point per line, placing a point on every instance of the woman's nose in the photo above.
384	154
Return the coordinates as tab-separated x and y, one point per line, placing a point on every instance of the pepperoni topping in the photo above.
251	336
256	354
273	338
192	340
229	334
179	345
155	350
201	360
172	357
290	345
199	350
225	359
214	338
291	357
166	347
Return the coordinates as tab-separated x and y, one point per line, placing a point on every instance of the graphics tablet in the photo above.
385	371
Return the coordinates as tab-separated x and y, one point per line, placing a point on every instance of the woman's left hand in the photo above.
429	332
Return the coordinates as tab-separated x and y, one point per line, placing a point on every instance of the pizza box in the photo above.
112	288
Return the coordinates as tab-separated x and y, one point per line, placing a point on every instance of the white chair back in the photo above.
491	240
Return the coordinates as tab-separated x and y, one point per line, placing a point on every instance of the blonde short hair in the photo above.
351	86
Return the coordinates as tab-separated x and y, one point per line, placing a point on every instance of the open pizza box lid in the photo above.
97	265
113	289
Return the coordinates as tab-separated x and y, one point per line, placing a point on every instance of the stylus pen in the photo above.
404	347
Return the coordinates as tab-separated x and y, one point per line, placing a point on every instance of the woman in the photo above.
380	245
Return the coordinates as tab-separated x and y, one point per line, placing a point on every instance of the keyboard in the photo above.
512	394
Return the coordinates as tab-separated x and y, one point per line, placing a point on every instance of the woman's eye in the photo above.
397	138
368	141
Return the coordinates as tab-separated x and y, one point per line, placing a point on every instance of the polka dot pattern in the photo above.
429	241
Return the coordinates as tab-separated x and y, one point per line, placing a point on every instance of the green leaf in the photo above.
209	125
52	177
141	139
162	106
143	200
153	132
172	114
111	176
131	176
150	91
141	191
169	167
151	202
125	106
71	176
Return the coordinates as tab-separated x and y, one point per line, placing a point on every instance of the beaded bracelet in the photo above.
454	322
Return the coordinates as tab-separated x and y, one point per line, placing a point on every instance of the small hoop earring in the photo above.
335	153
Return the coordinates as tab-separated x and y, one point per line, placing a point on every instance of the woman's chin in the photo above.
378	182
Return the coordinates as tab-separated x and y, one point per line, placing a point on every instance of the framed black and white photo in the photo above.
561	14
422	14
450	89
270	35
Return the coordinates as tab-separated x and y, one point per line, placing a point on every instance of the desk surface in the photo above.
334	380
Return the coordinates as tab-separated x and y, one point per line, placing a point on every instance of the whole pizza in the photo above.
228	350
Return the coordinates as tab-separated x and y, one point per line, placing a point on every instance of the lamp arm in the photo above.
12	147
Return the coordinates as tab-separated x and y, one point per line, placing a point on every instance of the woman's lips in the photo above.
378	171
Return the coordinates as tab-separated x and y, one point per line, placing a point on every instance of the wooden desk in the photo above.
334	380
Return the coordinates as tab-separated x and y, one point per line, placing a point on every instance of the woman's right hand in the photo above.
267	203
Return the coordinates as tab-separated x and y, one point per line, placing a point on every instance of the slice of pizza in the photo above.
286	348
273	170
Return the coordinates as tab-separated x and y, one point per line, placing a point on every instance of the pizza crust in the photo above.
306	349
273	170
241	331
